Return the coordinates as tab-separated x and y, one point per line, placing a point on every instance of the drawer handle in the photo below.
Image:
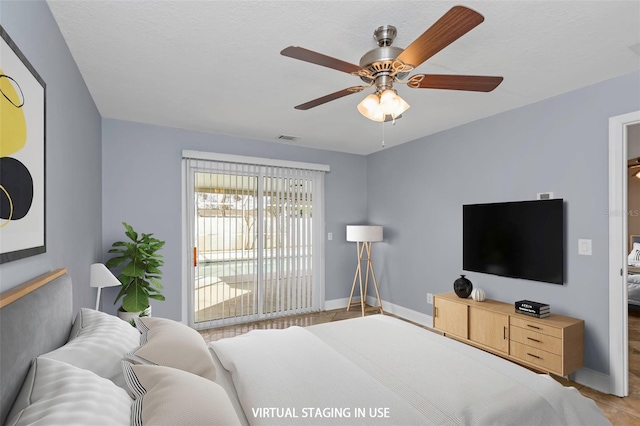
504	333
535	356
535	340
533	326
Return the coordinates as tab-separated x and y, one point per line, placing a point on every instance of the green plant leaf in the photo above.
155	282
114	262
135	300
134	269
157	296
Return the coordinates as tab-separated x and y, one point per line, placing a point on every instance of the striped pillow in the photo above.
57	393
167	396
97	343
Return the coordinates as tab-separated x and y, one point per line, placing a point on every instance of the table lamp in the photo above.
101	277
364	236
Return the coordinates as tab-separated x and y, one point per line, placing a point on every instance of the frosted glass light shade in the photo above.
638	175
362	233
369	106
377	108
389	102
100	276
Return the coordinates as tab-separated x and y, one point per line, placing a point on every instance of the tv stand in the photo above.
552	345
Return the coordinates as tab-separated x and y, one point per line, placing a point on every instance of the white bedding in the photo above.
380	370
634	289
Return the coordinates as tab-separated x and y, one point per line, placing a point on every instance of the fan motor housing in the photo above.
379	61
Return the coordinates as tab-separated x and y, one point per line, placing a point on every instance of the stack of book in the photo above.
534	309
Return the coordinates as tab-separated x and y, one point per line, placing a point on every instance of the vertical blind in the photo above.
255	238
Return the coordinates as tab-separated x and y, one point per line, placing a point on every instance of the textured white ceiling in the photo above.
215	66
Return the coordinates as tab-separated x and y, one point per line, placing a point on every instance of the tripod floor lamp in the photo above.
364	236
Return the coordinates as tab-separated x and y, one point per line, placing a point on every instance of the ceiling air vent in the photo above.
288	138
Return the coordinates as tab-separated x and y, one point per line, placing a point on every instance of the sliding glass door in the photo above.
252	232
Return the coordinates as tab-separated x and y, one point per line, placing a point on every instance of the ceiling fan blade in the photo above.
475	83
306	55
330	97
634	162
454	24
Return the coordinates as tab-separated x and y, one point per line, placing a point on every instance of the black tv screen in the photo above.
518	239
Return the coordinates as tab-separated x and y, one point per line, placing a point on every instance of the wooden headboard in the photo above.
35	318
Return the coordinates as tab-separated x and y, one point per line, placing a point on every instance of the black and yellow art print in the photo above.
22	155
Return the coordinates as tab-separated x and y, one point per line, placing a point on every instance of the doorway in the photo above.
618	234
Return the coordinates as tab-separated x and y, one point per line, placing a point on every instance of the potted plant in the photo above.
140	273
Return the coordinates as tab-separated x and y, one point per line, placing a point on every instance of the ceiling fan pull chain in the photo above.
383	133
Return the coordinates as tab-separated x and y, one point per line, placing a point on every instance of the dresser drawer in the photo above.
536	326
536	340
543	359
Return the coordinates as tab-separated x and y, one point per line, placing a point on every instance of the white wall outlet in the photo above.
584	247
330	236
430	298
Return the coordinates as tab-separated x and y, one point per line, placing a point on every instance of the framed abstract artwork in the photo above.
22	155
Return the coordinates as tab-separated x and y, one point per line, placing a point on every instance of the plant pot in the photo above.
129	316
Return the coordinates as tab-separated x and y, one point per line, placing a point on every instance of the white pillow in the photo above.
98	342
167	396
172	344
57	393
634	256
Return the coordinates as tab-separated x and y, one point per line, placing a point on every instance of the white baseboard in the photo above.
401	311
332	304
406	313
593	379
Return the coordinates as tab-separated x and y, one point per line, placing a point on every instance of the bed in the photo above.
371	370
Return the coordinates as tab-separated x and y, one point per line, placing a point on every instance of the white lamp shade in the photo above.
362	233
102	277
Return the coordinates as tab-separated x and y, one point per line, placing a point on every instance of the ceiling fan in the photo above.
387	65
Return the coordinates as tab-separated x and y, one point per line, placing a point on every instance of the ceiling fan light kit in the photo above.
379	107
387	64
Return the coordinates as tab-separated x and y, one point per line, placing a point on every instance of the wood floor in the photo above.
619	411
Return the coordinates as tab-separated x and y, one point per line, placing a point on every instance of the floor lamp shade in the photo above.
362	233
101	277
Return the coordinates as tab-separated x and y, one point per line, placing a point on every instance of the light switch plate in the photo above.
584	247
330	236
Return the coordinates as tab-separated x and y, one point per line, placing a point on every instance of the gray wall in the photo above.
417	190
142	186
73	154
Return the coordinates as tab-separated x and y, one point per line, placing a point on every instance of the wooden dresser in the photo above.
552	345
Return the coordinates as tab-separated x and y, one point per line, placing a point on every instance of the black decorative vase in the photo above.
462	287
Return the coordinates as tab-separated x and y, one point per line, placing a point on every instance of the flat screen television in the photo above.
522	239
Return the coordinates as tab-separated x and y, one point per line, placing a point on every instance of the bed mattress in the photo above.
381	370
